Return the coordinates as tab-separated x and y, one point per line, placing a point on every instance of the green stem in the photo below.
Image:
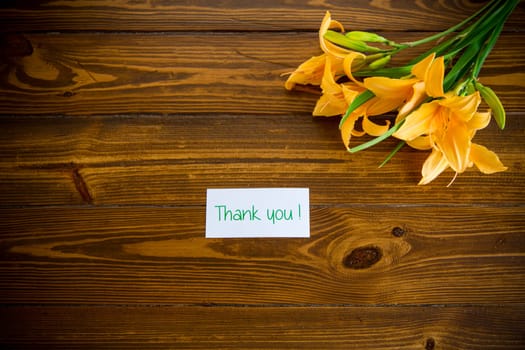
462	66
477	44
356	103
391	154
481	27
462	38
393	72
449	30
492	41
376	140
490	16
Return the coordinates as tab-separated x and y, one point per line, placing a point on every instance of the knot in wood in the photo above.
363	257
15	45
398	231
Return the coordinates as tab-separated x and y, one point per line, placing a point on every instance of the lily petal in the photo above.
347	129
479	121
329	106
309	72
328	83
332	102
378	106
455	144
389	93
374	129
420	69
433	166
326	45
418	122
384	87
485	160
464	107
434	78
358	133
421	143
350	91
351	62
418	95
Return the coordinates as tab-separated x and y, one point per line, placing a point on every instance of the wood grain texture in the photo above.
160	256
230	73
158	160
236	15
451	328
116	116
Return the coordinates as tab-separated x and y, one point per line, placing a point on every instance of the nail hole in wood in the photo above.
430	344
363	257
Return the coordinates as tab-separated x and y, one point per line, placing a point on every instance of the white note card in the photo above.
257	212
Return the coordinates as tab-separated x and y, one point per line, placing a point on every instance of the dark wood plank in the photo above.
184	327
159	255
236	15
230	73
170	160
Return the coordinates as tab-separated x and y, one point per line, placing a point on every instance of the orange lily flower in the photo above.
485	160
390	94
336	97
447	126
309	72
406	94
347	128
312	70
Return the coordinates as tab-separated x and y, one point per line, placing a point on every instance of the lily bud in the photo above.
380	63
366	36
341	40
490	97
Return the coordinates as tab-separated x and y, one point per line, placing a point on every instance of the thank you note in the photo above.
257	212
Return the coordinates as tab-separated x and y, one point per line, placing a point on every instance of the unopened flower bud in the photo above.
366	36
380	62
490	97
341	40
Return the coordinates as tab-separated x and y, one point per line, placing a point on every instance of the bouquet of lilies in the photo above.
436	96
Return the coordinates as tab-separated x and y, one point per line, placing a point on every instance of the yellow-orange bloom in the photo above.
391	94
447	126
485	160
405	94
347	127
312	70
336	97
309	72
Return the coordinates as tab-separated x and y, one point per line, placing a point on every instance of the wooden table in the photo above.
116	118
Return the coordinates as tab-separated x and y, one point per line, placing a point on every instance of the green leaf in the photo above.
376	140
462	66
393	72
391	154
356	103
